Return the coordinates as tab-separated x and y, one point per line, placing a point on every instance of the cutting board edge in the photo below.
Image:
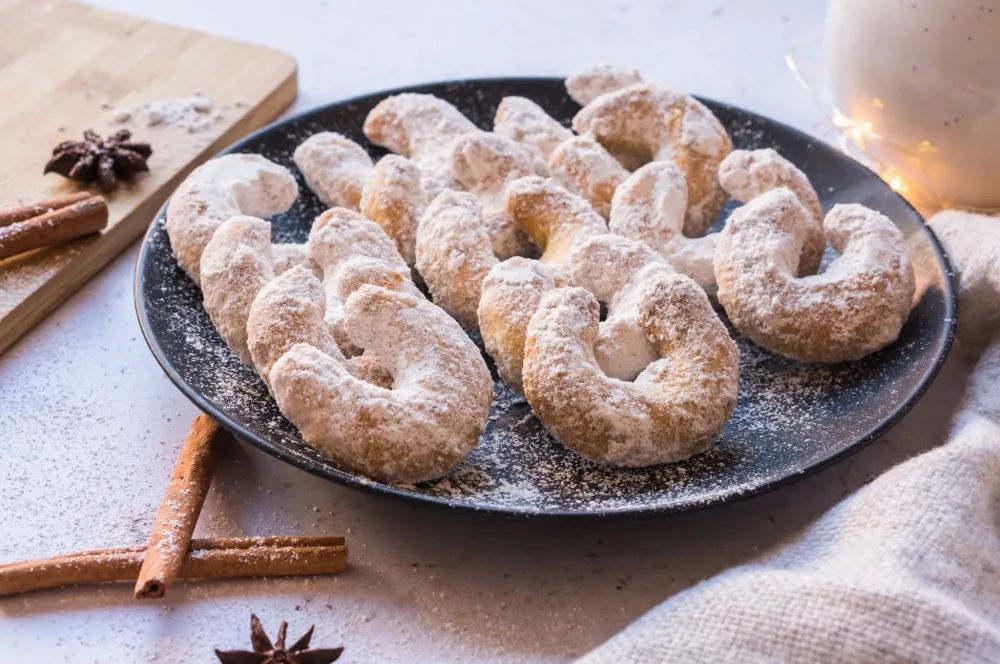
99	253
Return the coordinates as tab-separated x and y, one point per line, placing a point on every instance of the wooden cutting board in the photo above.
66	67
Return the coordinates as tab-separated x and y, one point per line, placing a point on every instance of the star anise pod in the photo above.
266	653
102	160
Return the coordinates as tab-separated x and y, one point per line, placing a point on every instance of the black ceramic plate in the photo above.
792	418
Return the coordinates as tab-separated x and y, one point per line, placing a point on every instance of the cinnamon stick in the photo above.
58	225
179	510
25	212
207	559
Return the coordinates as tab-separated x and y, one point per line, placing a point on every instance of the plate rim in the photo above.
353	481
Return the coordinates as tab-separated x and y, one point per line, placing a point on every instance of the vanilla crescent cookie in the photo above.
554	218
454	254
591	82
854	308
235	265
484	164
288	255
674	407
228	186
394	199
422	128
656	124
746	174
615	270
610	267
585	168
334	167
239	264
339	235
649	207
291	309
511	293
524	121
416	431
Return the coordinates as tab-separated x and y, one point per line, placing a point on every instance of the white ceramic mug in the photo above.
924	75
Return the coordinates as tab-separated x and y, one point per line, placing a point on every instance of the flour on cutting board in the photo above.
195	113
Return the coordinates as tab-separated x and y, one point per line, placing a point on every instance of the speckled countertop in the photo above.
91	427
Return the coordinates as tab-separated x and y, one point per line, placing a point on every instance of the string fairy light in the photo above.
857	138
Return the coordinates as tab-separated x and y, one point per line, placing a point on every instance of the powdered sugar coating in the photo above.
289	254
454	254
675	406
554	218
216	191
584	167
649	207
657	124
484	164
416	431
291	309
394	198
746	174
339	235
591	82
334	167
421	127
857	306
524	121
615	270
511	293
235	265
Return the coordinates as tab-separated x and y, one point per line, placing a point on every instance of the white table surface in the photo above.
90	426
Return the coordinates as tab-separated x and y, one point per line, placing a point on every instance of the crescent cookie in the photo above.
235	265
394	199
585	168
612	268
746	174
554	218
454	254
484	164
288	255
417	431
290	310
511	293
244	297
524	121
857	306
334	167
657	124
591	82
422	128
228	186
649	207
615	270
671	411
339	235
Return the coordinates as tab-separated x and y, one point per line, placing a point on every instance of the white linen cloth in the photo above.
905	570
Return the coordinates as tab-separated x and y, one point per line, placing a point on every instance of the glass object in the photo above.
921	80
